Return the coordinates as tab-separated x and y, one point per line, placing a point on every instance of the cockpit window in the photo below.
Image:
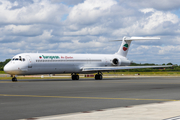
18	59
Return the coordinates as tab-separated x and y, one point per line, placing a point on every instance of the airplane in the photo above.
74	64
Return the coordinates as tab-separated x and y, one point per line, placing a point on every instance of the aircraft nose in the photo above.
7	68
13	69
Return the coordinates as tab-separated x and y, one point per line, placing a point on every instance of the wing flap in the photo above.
120	68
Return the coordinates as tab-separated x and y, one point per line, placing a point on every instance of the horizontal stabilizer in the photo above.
138	38
120	68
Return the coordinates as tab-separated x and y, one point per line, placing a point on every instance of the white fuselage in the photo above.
51	63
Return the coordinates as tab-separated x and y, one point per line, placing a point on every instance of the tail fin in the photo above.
126	42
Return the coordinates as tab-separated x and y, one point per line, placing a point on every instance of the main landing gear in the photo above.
98	76
74	76
14	79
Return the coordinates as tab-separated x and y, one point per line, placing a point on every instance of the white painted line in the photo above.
174	118
155	111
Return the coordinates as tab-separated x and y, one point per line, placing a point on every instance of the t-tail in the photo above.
126	42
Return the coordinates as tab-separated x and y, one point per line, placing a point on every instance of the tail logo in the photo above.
125	47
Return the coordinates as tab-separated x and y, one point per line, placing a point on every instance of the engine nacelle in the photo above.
120	62
116	61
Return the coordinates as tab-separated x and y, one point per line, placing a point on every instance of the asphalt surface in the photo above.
36	98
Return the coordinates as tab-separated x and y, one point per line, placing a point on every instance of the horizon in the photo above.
85	26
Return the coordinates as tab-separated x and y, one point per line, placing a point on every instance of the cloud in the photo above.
68	2
40	12
86	26
163	5
90	11
20	30
152	22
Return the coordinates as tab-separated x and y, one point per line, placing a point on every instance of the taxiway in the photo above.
36	98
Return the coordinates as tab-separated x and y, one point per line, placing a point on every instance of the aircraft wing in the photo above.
120	68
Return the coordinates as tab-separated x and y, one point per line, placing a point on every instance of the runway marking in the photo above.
98	98
140	82
100	82
5	82
95	81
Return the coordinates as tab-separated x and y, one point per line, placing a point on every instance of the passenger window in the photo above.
23	59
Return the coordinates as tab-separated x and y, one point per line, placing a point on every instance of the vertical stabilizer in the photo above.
124	48
126	42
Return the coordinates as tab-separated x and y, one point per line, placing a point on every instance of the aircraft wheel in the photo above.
75	77
14	79
98	77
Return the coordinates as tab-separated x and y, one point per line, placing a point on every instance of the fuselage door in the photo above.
29	61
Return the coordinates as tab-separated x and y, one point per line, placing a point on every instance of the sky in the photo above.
87	26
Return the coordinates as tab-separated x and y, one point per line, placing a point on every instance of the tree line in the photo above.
174	68
2	64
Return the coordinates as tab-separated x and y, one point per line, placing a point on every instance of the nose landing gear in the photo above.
14	79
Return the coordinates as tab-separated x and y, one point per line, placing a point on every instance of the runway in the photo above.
36	98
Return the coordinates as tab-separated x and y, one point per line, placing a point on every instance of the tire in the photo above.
14	79
98	77
75	77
